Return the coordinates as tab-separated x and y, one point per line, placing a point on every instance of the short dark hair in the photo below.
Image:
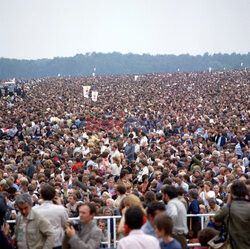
154	206
134	218
48	192
90	205
121	189
239	189
164	222
171	191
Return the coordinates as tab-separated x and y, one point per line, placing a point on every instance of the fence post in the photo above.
109	232
114	226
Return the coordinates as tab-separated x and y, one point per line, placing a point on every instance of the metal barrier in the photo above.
114	218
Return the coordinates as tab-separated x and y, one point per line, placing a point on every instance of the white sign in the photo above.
86	90
136	77
94	95
209	69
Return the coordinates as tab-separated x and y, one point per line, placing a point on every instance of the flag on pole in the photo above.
86	90
94	96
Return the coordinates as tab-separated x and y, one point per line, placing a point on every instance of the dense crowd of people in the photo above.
181	139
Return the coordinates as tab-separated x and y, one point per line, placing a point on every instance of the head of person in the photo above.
206	235
163	225
48	192
154	209
24	203
170	192
133	201
239	190
134	218
211	203
87	212
193	193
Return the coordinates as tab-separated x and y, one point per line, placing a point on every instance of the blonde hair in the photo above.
133	201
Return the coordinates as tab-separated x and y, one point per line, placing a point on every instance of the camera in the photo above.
75	224
221	238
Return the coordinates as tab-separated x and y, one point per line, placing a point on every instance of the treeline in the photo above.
117	63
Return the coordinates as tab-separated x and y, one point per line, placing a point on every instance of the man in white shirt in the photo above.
177	211
143	171
137	239
56	214
180	183
143	140
115	152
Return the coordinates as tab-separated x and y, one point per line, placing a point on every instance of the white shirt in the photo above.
144	141
137	239
143	171
183	185
115	170
177	211
57	215
21	234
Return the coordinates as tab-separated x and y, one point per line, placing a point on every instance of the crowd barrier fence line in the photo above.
114	218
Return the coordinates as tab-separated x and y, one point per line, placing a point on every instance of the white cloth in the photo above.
57	215
138	240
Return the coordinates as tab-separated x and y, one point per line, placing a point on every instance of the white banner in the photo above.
94	95
86	90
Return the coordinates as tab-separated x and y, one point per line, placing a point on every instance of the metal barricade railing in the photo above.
114	218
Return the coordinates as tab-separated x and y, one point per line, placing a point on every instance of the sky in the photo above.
35	29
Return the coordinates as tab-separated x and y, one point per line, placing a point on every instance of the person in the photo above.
88	235
129	150
177	211
5	241
154	209
204	236
163	224
130	201
56	214
32	230
194	208
136	238
238	210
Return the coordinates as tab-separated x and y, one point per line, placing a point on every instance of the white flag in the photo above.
136	77
94	95
86	90
209	69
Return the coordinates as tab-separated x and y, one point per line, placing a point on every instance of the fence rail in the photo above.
114	218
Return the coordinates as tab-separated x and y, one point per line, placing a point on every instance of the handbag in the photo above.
222	241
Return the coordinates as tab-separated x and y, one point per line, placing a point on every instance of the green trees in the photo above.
117	63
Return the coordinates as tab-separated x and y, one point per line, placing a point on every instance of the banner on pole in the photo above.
86	90
94	96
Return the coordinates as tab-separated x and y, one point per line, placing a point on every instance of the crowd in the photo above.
181	139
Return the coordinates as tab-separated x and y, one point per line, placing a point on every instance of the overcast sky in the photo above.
34	29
